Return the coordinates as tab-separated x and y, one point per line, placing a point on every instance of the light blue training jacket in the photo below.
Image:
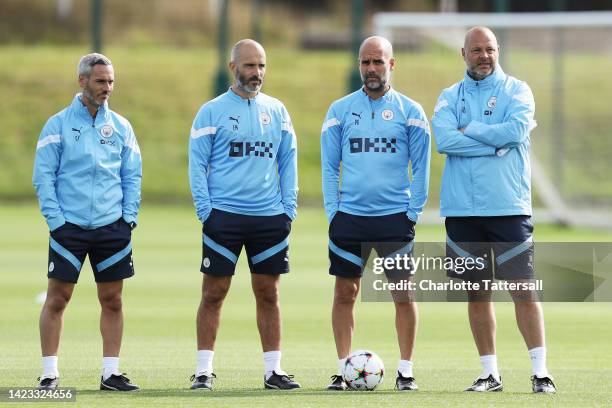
487	170
87	171
375	142
243	157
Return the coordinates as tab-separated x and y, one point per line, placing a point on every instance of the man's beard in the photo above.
375	86
243	83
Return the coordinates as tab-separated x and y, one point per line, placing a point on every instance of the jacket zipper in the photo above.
95	167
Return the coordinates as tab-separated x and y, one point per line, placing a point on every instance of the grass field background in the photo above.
159	342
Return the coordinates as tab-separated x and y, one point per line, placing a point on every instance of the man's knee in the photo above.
346	291
111	302
266	293
57	302
214	292
58	296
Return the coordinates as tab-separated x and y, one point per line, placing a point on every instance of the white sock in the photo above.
489	366
404	367
110	366
341	363
49	365
205	359
272	361
538	362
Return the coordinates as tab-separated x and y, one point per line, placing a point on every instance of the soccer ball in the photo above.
363	370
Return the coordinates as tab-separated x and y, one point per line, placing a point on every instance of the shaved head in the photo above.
244	46
379	42
480	52
479	33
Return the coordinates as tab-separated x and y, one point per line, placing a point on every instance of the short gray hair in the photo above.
87	62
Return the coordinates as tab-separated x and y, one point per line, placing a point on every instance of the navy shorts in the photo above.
109	248
265	238
504	245
348	232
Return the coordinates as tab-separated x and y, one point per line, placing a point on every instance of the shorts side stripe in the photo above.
517	250
65	254
345	254
262	256
405	250
461	252
107	263
220	249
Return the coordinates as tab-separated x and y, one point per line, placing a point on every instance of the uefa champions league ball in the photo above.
363	370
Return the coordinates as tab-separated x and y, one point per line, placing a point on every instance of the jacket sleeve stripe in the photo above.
418	123
209	130
48	140
329	123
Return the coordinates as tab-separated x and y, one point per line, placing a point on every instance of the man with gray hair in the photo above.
376	135
243	177
87	175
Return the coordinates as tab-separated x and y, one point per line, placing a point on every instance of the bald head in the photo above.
246	46
377	42
480	52
479	34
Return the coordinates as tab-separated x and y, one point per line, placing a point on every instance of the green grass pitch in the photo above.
159	342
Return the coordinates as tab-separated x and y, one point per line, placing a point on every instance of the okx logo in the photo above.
247	149
375	145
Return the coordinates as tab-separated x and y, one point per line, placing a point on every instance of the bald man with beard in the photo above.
378	137
243	177
482	124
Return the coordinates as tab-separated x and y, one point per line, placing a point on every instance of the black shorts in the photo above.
505	243
109	248
265	238
348	232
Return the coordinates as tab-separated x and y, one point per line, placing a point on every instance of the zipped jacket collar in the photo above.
78	106
497	75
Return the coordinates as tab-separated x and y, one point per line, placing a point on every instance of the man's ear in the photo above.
83	80
391	64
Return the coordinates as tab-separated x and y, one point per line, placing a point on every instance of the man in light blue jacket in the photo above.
243	178
87	175
482	125
371	140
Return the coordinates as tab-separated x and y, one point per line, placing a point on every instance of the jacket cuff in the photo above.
412	215
55	222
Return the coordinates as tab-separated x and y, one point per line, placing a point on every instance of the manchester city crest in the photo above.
265	118
106	131
492	102
387	114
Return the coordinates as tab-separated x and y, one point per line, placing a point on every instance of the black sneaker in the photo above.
202	381
48	383
544	384
117	383
405	383
489	384
337	384
280	382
